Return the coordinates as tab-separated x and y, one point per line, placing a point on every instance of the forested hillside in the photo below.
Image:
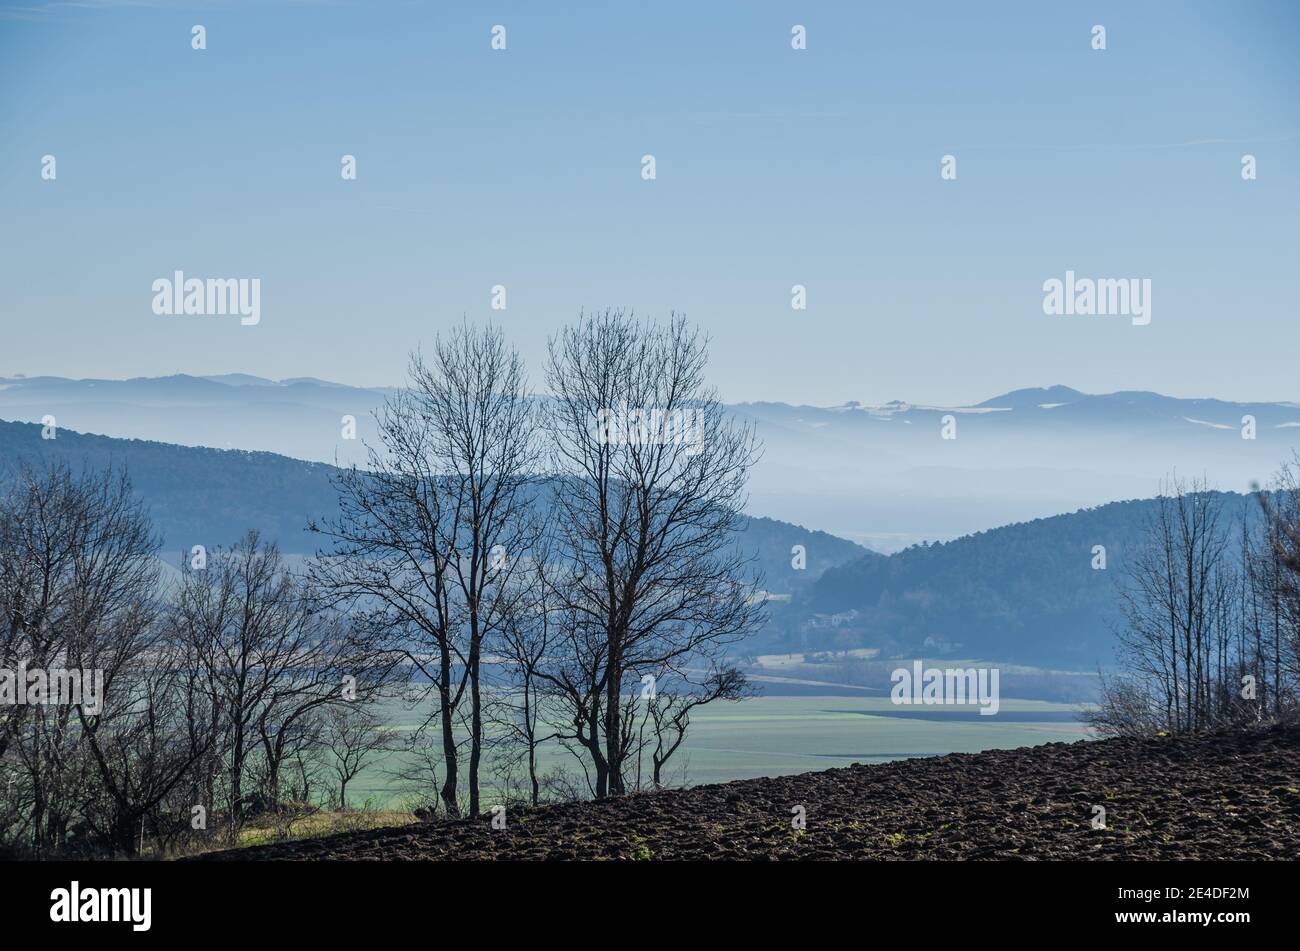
196	496
213	496
1026	592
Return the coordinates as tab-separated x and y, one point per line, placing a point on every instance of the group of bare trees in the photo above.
76	592
210	682
536	582
1212	614
593	571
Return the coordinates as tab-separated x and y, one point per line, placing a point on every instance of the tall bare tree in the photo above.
427	540
482	415
649	484
389	567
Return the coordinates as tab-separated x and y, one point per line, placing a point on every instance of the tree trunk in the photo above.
125	832
273	781
613	709
448	793
476	723
236	783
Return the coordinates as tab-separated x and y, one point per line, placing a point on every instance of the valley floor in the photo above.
1226	795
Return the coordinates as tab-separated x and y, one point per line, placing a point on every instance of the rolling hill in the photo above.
1025	593
212	496
880	475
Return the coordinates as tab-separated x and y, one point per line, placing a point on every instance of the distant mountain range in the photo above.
880	475
885	476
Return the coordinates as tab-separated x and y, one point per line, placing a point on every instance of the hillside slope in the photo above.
196	496
879	475
1228	795
994	594
213	496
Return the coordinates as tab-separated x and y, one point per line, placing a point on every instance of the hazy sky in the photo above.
522	167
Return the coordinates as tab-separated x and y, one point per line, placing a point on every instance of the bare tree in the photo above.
270	657
306	761
415	771
427	539
147	740
80	590
353	735
482	415
1277	573
1181	611
669	705
649	476
520	713
316	665
79	584
389	566
44	518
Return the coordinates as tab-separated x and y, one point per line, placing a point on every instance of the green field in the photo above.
768	736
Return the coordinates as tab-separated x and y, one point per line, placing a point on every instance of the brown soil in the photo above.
1225	795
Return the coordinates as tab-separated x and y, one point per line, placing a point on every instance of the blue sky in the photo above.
775	167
